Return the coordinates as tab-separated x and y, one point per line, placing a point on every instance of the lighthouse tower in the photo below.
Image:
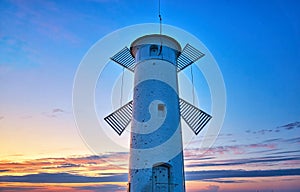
156	151
156	116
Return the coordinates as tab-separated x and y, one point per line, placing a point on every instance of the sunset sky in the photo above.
255	43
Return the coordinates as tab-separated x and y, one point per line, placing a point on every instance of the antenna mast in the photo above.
160	18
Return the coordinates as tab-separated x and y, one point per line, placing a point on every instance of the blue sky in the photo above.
256	45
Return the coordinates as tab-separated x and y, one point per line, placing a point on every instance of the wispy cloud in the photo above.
86	187
262	131
103	188
229	163
57	110
122	177
223	174
267	153
54	112
88	165
230	149
20	188
293	140
63	178
286	152
68	165
290	126
226	181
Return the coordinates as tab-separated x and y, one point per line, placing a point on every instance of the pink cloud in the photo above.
89	164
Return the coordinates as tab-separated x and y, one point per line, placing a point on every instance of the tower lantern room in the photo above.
155	47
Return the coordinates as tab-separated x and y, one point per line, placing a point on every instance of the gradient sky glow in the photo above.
257	47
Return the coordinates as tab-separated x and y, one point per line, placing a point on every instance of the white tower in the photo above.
156	151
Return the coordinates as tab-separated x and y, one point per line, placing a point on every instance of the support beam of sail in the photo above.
124	58
188	56
121	118
194	117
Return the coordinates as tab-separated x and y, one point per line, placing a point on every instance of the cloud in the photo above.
102	188
71	169
262	131
1	117
54	112
261	145
272	140
63	178
281	140
197	157
57	110
225	181
263	151
67	187
122	177
90	165
267	159
20	188
223	174
285	152
290	126
68	165
230	149
293	140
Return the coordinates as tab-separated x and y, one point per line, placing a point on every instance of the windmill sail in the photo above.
124	58
120	119
194	117
188	56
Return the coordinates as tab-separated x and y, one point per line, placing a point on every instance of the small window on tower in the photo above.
161	107
161	110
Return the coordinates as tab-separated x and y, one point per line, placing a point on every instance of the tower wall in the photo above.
156	157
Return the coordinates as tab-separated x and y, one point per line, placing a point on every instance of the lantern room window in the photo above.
153	50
